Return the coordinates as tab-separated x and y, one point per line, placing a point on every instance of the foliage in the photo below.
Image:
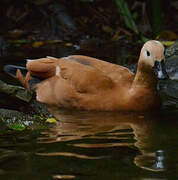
51	120
157	16
126	15
17	127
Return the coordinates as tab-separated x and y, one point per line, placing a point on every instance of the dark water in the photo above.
95	145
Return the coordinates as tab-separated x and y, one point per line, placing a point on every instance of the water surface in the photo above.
94	145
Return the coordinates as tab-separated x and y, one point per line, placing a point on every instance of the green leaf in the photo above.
51	120
126	15
157	16
18	127
144	39
167	43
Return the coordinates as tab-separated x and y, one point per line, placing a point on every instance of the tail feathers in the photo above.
12	70
22	75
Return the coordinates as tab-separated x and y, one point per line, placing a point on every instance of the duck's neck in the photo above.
145	77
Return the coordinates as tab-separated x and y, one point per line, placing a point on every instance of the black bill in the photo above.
160	70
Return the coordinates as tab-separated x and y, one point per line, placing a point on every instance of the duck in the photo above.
86	83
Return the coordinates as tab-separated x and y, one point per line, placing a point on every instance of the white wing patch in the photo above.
58	70
66	57
50	57
29	60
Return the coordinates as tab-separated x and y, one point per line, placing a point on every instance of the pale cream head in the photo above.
152	51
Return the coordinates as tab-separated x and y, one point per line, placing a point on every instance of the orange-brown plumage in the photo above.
83	82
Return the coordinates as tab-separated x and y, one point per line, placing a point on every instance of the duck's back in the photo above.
46	67
115	72
80	81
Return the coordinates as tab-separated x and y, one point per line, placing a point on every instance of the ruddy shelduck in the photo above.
87	83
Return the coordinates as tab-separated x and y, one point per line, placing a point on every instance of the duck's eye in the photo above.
148	53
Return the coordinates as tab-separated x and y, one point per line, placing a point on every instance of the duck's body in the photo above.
83	82
88	83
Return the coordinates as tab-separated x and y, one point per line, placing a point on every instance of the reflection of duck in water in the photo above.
106	130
